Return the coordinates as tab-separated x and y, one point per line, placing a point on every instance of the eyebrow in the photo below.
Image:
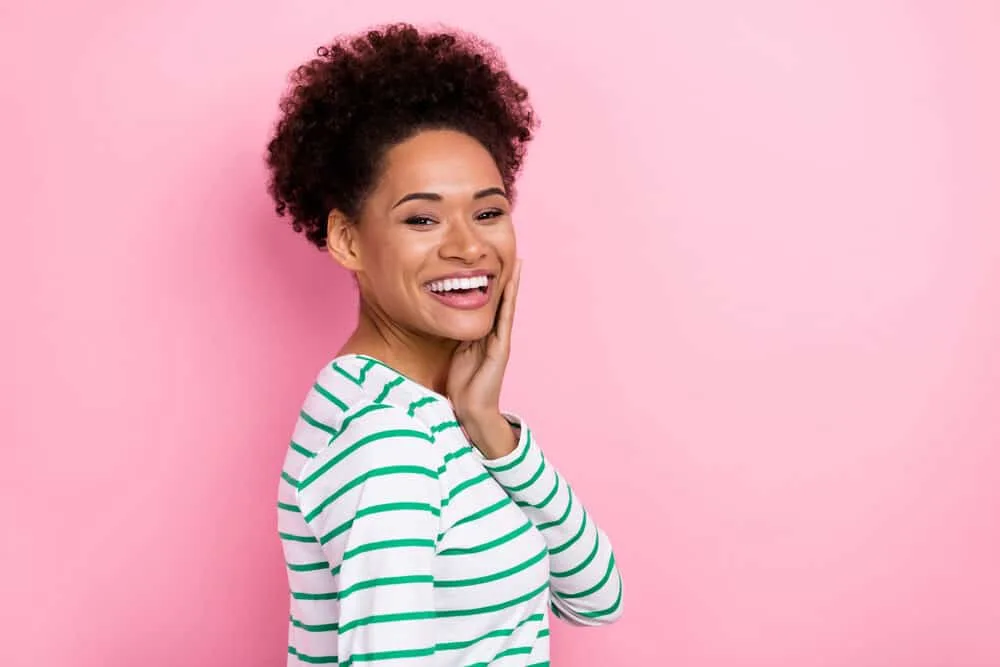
433	196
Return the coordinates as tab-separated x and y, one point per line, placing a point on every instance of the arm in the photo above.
586	583
373	501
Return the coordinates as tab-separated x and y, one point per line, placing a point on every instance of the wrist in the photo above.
491	434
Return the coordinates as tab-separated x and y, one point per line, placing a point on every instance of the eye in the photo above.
489	214
419	221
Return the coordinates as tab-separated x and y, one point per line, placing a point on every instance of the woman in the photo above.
420	525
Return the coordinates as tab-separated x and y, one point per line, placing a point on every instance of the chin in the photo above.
463	332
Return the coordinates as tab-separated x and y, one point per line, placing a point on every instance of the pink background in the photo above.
758	328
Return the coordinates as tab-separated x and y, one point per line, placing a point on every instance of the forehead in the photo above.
439	161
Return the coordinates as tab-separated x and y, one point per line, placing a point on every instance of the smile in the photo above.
462	292
459	284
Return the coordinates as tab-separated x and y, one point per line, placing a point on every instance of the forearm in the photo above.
584	577
493	435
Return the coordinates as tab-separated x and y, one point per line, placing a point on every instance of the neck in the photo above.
421	358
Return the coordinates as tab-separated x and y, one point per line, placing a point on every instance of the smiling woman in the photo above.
420	524
438	212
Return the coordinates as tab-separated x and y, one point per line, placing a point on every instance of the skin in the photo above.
437	208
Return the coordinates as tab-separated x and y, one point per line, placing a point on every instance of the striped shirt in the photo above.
406	548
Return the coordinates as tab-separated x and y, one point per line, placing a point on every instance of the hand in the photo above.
477	369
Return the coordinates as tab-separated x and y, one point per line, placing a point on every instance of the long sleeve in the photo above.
373	502
585	582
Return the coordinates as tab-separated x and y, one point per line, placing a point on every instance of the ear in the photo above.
342	240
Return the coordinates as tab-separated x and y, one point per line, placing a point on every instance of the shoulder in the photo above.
378	451
355	383
341	389
360	414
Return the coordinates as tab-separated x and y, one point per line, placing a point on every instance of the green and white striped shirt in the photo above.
406	548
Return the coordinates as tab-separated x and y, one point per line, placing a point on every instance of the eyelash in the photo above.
423	220
418	221
493	213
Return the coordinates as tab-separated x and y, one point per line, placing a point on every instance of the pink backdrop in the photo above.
762	277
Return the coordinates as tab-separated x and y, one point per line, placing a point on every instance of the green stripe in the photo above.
288	506
356	380
547	499
361	479
330	397
322	627
296	538
560	520
483	512
451	456
450	613
387	581
596	587
302	450
288	478
308	567
419	403
364	370
360	413
372	362
517	650
572	540
314	596
444	426
610	610
516	462
455	583
387	388
313	659
479	548
544	632
585	563
467	484
386	618
381	435
530	482
377	509
388	544
312	421
503	632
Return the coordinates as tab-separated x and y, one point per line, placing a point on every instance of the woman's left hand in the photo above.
477	369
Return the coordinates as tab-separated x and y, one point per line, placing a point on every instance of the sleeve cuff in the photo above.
517	455
523	473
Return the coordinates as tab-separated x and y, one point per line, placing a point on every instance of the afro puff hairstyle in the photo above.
364	94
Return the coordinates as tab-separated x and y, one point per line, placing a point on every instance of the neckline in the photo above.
407	378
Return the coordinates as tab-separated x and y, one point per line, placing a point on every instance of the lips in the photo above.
463	291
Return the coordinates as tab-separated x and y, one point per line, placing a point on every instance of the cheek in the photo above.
502	238
397	260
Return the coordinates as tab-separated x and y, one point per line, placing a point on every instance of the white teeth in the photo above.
450	284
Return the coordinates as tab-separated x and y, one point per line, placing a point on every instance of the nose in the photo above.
462	241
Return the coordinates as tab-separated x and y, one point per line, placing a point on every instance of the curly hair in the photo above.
364	94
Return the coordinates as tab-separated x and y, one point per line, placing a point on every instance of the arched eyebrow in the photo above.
433	196
488	192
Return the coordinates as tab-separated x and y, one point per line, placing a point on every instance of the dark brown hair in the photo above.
364	94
